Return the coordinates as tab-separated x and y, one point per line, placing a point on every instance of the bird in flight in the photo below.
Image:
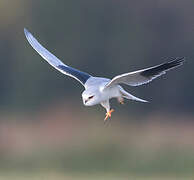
99	90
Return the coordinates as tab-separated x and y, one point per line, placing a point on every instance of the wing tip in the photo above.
175	63
28	35
162	68
26	32
178	61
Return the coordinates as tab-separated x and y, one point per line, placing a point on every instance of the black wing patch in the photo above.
81	76
154	71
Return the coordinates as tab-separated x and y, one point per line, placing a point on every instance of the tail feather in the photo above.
126	95
135	98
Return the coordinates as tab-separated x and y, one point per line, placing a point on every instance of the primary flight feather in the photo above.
100	90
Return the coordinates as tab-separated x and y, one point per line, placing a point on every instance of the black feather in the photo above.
154	71
82	76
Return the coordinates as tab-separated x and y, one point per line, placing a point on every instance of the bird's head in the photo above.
90	97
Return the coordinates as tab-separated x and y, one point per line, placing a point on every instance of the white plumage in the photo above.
100	90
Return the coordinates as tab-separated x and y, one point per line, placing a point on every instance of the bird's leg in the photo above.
120	100
108	114
106	105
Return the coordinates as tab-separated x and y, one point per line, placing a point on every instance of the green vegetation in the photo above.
100	152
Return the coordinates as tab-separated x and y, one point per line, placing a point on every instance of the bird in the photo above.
99	90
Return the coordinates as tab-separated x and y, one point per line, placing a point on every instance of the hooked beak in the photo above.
85	101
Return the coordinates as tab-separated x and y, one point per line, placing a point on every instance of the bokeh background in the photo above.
46	132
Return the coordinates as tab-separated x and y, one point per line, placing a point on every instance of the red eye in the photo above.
90	97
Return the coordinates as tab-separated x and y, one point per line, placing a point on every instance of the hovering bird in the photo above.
99	90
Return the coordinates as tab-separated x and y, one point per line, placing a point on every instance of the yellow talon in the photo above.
121	100
108	114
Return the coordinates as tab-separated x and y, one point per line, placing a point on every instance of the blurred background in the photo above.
46	132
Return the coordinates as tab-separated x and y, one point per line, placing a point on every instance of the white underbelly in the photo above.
111	93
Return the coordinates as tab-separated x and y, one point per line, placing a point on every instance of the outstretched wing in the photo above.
82	77
144	76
